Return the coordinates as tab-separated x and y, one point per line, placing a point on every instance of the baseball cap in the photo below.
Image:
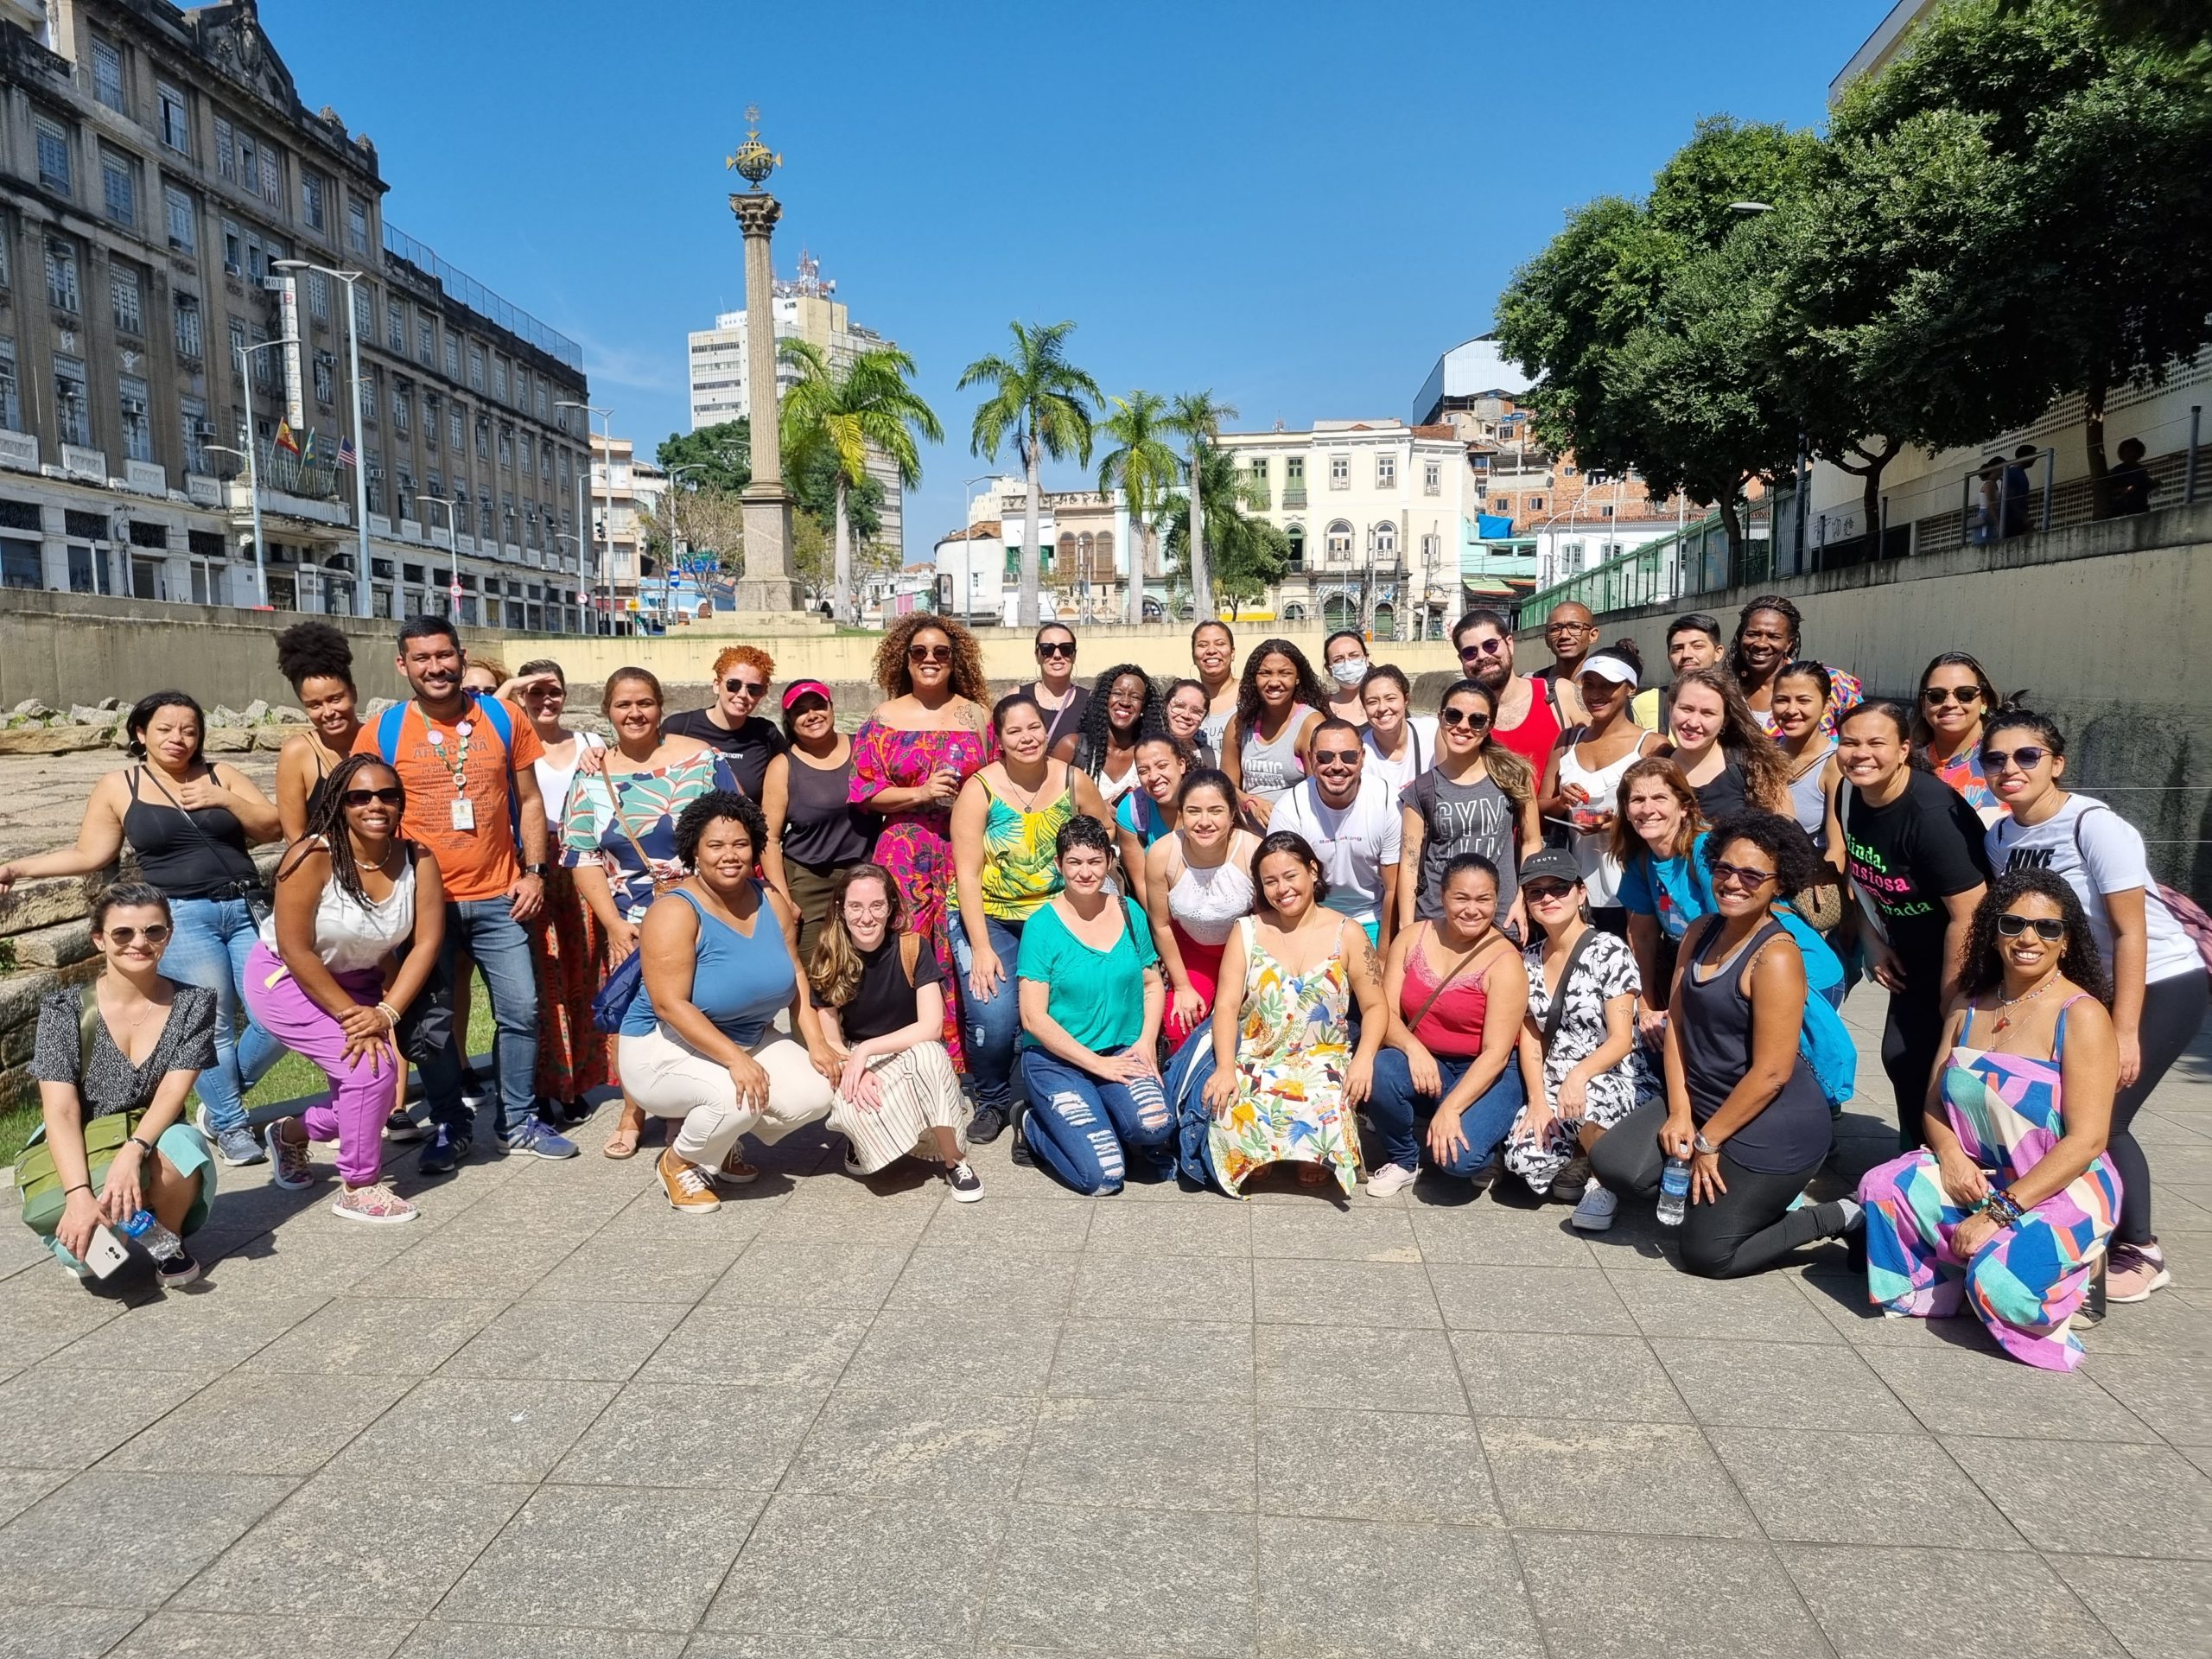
1553	864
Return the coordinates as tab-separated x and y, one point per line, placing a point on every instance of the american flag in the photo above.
346	455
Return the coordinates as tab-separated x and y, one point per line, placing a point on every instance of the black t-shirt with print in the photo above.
884	1001
1907	858
750	747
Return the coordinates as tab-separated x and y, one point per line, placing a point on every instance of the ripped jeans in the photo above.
992	1024
1090	1133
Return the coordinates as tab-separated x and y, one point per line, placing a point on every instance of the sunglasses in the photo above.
1057	648
1482	648
1543	893
1737	875
1936	696
929	653
745	688
393	796
2047	928
1461	717
1325	757
120	937
2026	760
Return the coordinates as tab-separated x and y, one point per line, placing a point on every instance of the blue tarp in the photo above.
1494	526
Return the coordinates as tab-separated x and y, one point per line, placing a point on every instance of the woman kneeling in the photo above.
881	998
719	952
1092	998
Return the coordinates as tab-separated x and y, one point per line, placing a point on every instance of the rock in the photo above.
229	739
377	706
272	738
29	904
255	712
113	705
20	995
84	714
290	715
55	947
225	715
54	739
31	708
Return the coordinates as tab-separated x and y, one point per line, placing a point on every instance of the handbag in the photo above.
1821	906
36	1177
257	906
611	1002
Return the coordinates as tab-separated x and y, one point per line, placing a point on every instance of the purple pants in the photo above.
360	1100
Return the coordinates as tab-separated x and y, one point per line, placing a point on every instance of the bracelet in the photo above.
2006	1208
81	1186
391	1015
142	1144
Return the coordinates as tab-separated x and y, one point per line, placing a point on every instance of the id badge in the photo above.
464	813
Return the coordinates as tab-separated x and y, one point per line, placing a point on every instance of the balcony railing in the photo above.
19	450
79	461
1294	496
145	477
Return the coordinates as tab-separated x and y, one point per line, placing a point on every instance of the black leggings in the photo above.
2172	1010
1749	1228
1912	1038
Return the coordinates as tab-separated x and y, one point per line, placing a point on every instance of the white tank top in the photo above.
349	938
1601	871
553	781
1206	902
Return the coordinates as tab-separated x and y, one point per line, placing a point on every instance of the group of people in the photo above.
1574	934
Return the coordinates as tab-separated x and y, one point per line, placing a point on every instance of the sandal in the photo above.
623	1143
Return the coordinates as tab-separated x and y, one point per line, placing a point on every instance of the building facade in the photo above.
1084	539
163	192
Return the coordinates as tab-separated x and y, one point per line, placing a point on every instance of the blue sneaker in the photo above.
443	1150
539	1140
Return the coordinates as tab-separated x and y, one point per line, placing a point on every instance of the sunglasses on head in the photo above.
393	796
1738	875
1483	648
1473	723
2026	760
157	934
929	653
2048	928
1936	696
1057	648
745	688
1542	893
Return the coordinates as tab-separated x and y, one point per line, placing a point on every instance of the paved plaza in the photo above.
555	1419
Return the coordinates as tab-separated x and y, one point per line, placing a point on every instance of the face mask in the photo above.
1350	672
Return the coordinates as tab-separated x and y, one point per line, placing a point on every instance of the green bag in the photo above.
36	1177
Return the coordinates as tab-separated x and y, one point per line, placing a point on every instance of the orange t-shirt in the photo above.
480	863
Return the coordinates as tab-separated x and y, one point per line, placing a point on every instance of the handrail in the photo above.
1690	560
464	288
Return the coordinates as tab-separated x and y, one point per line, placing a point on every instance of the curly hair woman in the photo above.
2008	1207
317	663
1122	704
1770	635
929	735
1278	702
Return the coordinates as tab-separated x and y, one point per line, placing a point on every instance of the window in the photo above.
526	452
122	298
500	378
506	446
426	342
395	329
1431	477
1428	544
11	402
190	340
1570	554
1384	537
72	411
326	378
1339	472
369	404
311	200
1502	504
226	160
357	224
137	423
1386	471
456	432
1338	542
60	275
453	358
183	220
53	171
318	295
403	406
1296	535
1536	504
545	460
363	307
237	344
475	367
107	74
540	400
234	249
483	437
119	188
176	120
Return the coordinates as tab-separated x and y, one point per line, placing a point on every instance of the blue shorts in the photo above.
187	1150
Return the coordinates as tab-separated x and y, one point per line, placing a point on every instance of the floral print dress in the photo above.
1607	970
916	842
1293	1047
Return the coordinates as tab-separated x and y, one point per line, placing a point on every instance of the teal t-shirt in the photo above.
1097	996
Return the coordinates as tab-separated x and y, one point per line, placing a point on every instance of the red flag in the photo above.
285	440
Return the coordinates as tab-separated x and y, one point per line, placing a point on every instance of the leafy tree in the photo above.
1143	465
1248	555
1197	416
844	413
1042	404
723	453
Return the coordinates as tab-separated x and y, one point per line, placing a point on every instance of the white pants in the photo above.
669	1079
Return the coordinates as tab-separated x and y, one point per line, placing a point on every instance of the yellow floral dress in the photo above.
1294	1047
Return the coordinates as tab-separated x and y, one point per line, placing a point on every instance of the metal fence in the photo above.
466	290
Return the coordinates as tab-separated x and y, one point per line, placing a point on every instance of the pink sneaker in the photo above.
288	1159
375	1202
2133	1271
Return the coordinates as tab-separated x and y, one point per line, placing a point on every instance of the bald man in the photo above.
1571	632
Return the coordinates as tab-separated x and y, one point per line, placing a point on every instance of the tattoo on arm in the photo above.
1367	954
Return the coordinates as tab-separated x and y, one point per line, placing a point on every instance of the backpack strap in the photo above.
388	728
910	954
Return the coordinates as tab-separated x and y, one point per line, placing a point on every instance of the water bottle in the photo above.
160	1244
1673	1192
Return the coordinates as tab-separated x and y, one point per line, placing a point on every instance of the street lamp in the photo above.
361	441
243	353
606	555
253	494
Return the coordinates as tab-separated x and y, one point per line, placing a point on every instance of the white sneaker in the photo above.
1390	1179
1595	1213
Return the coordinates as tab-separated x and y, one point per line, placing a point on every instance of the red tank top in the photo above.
1532	739
1453	1024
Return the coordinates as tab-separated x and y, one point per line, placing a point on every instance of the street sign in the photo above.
453	593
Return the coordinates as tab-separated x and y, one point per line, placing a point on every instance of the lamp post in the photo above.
668	565
607	552
252	468
253	495
361	606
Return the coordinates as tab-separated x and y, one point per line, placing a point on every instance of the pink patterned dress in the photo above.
916	844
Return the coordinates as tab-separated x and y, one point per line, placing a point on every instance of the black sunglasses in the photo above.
393	796
1323	757
746	688
1057	648
2047	928
1483	648
1936	696
2027	759
1539	892
1461	717
1735	874
929	653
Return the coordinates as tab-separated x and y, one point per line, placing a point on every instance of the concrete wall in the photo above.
2104	624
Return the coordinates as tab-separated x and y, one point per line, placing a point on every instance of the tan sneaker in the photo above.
687	1188
2133	1271
735	1171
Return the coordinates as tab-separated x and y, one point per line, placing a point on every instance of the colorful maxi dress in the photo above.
2026	1283
1293	1047
916	842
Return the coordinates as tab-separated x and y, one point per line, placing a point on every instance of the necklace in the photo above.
2006	1005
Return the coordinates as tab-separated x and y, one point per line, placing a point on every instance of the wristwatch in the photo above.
537	870
140	1143
1706	1146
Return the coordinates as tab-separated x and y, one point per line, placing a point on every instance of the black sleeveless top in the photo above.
821	827
199	854
1715	1032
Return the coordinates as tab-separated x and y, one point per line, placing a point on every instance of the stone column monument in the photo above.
768	584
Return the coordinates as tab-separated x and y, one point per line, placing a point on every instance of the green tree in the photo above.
722	453
847	413
1043	405
1196	418
1142	465
1248	555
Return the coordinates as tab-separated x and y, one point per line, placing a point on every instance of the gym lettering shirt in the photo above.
1906	859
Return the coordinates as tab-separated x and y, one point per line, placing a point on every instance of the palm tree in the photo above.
1198	418
1143	465
1044	404
865	406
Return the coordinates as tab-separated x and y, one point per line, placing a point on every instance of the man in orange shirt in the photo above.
472	800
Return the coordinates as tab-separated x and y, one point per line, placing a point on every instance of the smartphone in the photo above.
106	1253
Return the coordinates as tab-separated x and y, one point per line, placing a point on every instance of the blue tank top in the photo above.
737	982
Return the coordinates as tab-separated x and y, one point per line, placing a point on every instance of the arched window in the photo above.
1386	540
1386	621
1296	534
1102	553
1340	541
1067	551
1293	613
1337	611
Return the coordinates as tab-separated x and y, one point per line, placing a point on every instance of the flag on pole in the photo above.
345	456
285	440
307	445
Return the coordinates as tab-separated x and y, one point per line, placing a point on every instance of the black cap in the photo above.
1554	863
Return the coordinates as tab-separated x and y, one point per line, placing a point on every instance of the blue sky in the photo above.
1297	205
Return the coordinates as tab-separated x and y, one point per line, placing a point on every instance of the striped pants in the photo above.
918	1092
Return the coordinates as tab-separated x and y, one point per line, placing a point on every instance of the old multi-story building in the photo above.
164	198
1085	537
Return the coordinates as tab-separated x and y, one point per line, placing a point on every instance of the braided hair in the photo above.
1095	736
327	824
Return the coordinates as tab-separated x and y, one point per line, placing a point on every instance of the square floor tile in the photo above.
1012	1283
1583	1379
1629	1598
1765	1308
199	1330
379	1336
1644	1477
2171	1393
1192	1226
872	1570
1956	1393
1124	1453
2132	1500
772	1349
1486	1235
262	1636
1373	1465
68	1632
1124	1582
62	1419
443	1638
1364	1587
703	1435
1295	1291
1817	1487
903	1444
1781	1385
1877	1604
21	1488
43	1312
600	1342
1162	1287
475	1428
1573	1301
1008	1226
811	1273
612	1268
1162	1360
1357	1366
126	1539
629	1559
2159	1610
247	1424
1316	1227
950	1352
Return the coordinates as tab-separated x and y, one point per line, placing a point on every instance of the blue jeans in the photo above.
488	931
1077	1125
1483	1123
209	947
993	1023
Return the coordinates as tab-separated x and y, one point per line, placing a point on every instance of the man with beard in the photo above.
1528	723
466	762
1692	641
1353	825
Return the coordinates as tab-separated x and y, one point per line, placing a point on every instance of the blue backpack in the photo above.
389	722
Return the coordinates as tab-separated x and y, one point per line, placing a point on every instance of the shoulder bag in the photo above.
36	1179
612	1000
